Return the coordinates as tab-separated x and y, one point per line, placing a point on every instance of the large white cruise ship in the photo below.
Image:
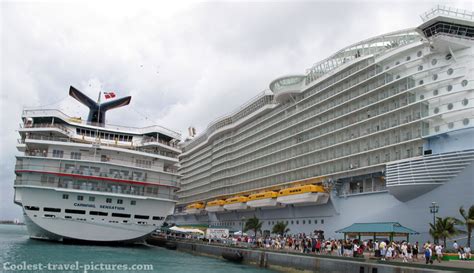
89	181
374	133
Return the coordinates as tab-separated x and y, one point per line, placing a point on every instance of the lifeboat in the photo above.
263	199
194	208
215	206
303	195
236	203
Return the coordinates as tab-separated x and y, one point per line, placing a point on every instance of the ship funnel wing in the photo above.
97	110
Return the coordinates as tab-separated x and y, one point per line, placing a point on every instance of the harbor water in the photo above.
19	252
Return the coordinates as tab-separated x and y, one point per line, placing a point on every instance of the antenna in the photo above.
96	109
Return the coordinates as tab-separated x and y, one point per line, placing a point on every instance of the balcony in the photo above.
286	86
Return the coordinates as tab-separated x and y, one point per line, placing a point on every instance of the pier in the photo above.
299	262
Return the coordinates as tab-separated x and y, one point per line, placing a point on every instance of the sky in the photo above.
184	64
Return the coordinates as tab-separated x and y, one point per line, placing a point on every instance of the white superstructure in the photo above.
88	181
385	126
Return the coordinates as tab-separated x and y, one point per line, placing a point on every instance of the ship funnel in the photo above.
96	109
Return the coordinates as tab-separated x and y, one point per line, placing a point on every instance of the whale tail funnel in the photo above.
97	110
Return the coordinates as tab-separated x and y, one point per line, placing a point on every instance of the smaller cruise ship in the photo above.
85	180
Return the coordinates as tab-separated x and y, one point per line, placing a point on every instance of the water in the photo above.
17	249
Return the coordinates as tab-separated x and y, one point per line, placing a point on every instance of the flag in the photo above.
109	95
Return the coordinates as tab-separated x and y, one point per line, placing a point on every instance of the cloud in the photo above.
184	64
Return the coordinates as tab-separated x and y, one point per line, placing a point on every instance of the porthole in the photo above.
448	56
397	77
436	110
450	125
450	71
387	67
464	83
450	106
436	92
397	63
408	58
465	121
436	128
434	62
420	68
422	97
465	102
419	53
449	88
435	77
421	82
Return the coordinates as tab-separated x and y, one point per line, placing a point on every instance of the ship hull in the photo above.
87	227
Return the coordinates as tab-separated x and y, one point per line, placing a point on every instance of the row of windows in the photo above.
103	135
92	199
95	213
271	223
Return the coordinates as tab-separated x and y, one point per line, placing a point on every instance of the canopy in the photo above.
186	230
239	233
390	229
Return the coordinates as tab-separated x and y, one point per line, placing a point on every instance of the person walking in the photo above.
428	254
439	252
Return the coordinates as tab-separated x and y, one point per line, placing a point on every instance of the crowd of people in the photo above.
383	249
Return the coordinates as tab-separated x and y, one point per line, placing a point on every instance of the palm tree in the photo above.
253	224
444	228
280	228
468	221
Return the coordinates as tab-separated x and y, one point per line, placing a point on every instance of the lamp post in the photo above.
243	223
434	209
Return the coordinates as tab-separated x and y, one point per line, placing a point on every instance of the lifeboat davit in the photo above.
263	199
236	203
195	208
215	206
303	195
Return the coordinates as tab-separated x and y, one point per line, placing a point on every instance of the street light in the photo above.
434	209
243	222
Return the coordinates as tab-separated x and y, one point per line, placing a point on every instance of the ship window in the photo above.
315	221
67	217
422	97
465	121
31	208
309	222
436	128
397	63
49	216
75	211
450	125
322	221
435	92
464	83
304	222
100	213
434	62
122	215
142	217
161	218
52	209
80	197
436	110
450	106
108	200
465	102
397	77
448	56
408	58
297	222
75	155
65	196
450	71
119	201
419	53
133	202
449	88
420	68
421	82
58	153
292	222
435	77
91	198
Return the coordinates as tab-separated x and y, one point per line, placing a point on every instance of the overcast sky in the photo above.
183	64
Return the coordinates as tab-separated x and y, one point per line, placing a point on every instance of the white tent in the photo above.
239	233
186	230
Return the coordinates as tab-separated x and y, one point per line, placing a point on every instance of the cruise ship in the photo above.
87	181
374	133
